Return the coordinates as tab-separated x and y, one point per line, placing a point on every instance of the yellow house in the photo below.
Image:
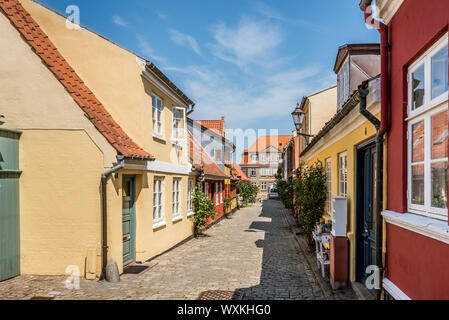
102	147
346	148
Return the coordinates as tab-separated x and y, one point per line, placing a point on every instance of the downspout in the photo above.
365	6
104	217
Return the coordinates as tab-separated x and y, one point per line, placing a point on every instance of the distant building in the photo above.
262	159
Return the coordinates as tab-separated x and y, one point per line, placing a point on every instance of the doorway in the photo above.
366	206
128	219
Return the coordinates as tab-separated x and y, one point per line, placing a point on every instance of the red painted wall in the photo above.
418	265
219	209
414	28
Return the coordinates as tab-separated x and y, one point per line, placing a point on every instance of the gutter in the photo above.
382	128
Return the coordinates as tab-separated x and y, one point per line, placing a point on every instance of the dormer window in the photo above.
343	84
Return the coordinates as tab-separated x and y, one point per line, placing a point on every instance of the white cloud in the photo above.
161	15
184	39
119	21
148	52
246	105
251	42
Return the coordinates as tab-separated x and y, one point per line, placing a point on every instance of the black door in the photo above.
366	195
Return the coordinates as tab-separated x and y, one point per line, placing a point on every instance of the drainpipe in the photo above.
104	217
363	90
365	6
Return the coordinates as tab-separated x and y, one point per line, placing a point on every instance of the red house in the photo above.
415	120
210	175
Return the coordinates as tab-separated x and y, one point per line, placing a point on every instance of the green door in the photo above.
9	204
128	220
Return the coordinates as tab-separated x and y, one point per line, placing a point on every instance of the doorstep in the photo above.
361	291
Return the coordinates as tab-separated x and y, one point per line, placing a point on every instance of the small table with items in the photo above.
321	241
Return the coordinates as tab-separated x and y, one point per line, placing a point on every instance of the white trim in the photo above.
191	213
166	167
159	224
165	89
432	228
177	218
394	291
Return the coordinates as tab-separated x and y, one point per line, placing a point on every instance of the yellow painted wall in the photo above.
115	77
331	148
62	156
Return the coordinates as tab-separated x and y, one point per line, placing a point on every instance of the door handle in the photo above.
127	238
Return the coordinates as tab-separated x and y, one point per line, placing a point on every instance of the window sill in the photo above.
176	219
432	228
191	213
158	137
159	225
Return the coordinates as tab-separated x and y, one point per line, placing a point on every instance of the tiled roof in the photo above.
199	158
83	96
214	125
265	141
238	173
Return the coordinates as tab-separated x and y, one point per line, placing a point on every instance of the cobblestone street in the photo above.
254	253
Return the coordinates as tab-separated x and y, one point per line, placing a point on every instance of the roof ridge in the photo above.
71	81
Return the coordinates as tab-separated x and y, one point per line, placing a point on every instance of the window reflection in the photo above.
439	73
418	87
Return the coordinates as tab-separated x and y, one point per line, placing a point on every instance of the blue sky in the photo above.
250	61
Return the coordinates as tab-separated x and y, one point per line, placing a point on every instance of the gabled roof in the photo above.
215	125
199	159
265	141
83	96
359	48
237	173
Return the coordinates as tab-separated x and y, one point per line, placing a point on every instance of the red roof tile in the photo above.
263	142
215	125
199	158
68	77
238	173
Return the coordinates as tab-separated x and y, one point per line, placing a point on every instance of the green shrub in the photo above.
310	194
203	208
247	190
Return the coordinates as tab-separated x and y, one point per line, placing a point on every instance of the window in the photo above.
254	157
343	174
217	190
221	192
158	200
189	196
328	186
157	115
218	156
253	172
176	212
206	189
278	157
178	123
263	157
263	186
428	133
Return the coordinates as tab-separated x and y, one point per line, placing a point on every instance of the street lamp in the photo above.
298	119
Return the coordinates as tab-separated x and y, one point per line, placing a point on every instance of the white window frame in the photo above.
176	137
251	172
343	174
215	195
329	185
263	157
158	219
426	60
424	113
158	133
206	189
426	209
254	157
176	205
189	197
262	188
221	192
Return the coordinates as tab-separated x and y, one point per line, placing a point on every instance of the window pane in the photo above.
439	135
418	87
439	73
418	142
418	184
439	185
